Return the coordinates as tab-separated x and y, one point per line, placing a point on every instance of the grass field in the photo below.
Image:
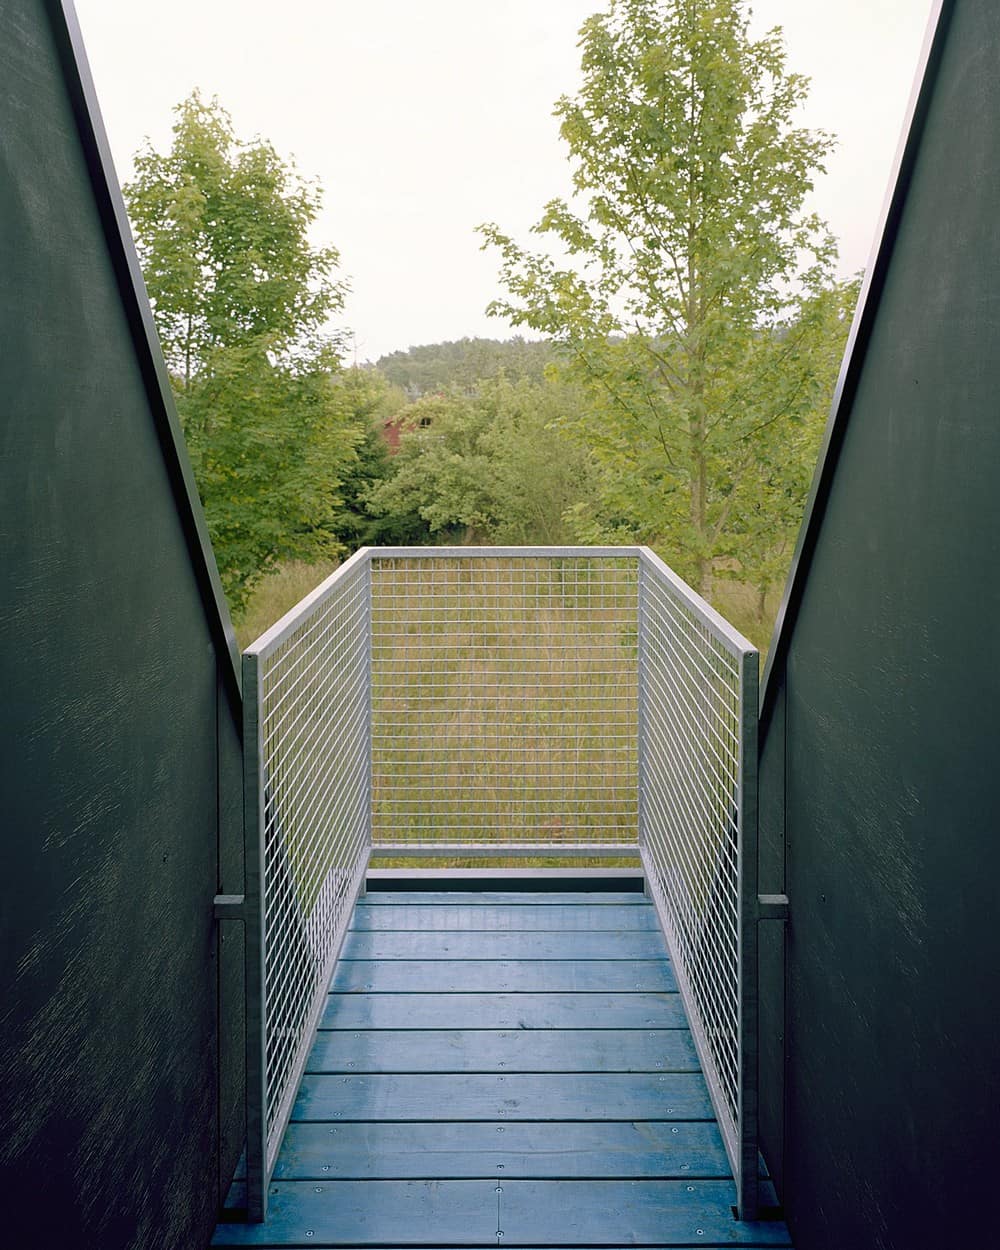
504	696
275	594
283	588
737	602
504	702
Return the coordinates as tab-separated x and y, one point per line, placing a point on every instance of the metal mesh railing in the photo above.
306	691
697	832
480	701
504	701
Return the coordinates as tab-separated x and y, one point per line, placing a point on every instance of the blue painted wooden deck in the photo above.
503	1069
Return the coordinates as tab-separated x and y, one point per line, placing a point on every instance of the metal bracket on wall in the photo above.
772	907
230	906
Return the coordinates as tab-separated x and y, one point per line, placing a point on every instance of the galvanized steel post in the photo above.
253	842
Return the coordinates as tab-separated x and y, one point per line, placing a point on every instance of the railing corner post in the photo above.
370	697
253	844
641	728
749	1145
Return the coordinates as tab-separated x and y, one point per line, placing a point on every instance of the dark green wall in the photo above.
882	741
119	1093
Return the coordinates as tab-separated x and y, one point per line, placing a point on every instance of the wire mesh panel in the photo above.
519	701
306	686
698	836
504	701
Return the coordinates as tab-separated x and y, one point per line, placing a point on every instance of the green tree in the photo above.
372	401
488	467
440	477
769	495
241	300
685	266
464	364
539	475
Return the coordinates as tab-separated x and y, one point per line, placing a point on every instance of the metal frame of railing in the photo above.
698	682
504	701
519	701
307	818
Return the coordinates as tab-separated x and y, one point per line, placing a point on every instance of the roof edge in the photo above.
139	315
857	347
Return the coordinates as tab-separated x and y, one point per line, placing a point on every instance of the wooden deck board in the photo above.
519	1095
497	976
470	1212
450	944
503	1011
511	1050
507	916
502	1061
525	1150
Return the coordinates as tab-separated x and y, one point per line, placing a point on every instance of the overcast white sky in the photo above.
423	118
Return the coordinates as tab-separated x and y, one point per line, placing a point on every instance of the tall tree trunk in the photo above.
762	602
699	505
187	353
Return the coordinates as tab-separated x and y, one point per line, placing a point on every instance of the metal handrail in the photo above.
504	701
524	701
307	829
698	838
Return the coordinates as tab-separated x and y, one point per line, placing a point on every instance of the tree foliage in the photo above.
464	364
768	498
487	467
241	300
688	276
373	401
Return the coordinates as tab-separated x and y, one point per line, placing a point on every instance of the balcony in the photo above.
573	706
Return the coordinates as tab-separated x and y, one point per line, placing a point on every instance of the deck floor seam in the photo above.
510	1120
638	1028
533	1072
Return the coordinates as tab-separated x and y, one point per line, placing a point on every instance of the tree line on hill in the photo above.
691	330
